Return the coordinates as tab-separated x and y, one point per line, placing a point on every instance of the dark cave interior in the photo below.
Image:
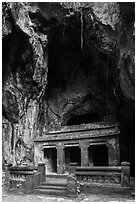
80	69
86	118
67	57
67	60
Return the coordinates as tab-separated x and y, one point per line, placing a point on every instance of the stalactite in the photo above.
81	20
107	86
64	27
12	138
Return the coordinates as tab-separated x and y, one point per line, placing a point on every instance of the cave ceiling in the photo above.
69	58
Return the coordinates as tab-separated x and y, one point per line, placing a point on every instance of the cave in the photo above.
67	65
76	67
70	64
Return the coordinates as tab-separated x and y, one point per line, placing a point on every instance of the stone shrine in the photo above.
94	144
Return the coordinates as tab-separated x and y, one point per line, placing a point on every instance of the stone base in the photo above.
105	189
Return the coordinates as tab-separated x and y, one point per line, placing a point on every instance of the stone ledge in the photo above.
83	127
80	135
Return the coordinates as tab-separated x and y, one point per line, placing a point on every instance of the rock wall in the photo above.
25	78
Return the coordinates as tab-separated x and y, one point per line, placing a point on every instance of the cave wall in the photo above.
64	61
24	73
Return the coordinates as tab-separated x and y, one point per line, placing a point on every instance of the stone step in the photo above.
56	176
54	184
56	192
46	183
57	187
56	181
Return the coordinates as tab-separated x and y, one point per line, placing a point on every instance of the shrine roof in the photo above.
83	127
92	130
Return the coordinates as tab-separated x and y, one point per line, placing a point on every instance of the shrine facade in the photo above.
94	144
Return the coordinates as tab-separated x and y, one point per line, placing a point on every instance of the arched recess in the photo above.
83	118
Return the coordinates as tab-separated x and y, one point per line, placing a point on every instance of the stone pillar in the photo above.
38	153
72	182
60	158
72	170
125	174
113	152
84	153
41	169
7	173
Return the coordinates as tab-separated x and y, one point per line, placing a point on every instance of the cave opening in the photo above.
66	58
75	72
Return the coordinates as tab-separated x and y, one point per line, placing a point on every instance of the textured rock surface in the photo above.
65	64
126	44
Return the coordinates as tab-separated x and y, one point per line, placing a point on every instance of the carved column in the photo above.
60	158
38	153
41	168
7	173
113	152
84	153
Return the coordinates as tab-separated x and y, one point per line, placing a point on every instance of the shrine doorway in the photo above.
98	155
50	156
72	155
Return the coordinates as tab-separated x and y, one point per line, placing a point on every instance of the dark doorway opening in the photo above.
98	155
90	155
50	156
72	155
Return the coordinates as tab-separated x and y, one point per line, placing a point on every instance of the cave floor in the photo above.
13	197
81	198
